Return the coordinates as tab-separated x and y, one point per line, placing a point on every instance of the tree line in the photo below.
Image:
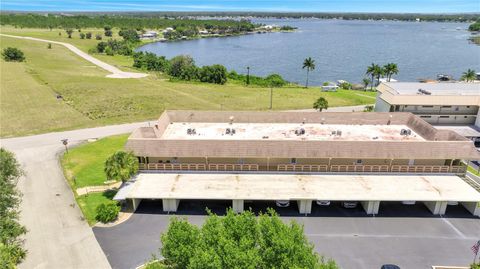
120	21
183	67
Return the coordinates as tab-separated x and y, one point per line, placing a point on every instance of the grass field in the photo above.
86	162
28	90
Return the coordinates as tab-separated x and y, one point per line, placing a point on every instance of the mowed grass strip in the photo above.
89	202
85	163
91	99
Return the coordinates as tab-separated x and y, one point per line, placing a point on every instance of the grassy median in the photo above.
28	90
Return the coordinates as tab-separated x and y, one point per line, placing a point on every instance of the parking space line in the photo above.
453	227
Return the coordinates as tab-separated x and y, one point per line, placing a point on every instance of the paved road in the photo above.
116	73
405	235
57	236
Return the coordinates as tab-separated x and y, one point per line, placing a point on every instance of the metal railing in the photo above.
306	168
359	168
302	167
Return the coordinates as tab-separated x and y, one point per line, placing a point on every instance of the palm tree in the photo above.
390	69
121	166
308	63
320	104
375	71
366	82
469	76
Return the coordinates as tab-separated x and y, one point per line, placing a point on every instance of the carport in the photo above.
433	190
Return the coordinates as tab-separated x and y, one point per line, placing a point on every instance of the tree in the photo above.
375	71
213	74
390	69
129	35
101	46
49	46
309	64
274	81
13	55
320	104
107	30
98	36
11	246
366	82
69	32
180	63
469	75
82	36
239	241
121	166
88	35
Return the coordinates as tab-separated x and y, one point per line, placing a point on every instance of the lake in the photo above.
341	49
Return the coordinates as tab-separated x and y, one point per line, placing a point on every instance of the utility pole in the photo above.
271	97
248	75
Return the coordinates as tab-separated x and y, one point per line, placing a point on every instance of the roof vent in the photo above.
405	132
191	131
300	131
231	119
230	131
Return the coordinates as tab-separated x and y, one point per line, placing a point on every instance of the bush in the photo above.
98	37
13	55
101	46
213	74
109	51
82	36
108	33
107	212
180	63
88	35
273	80
129	35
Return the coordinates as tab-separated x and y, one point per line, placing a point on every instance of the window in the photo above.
359	162
427	106
427	117
465	117
446	106
293	161
468	106
444	117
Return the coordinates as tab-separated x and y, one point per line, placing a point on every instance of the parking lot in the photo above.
350	236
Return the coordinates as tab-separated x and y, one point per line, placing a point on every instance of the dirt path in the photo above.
115	72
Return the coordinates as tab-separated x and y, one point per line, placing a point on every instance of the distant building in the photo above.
330	87
149	34
453	105
203	32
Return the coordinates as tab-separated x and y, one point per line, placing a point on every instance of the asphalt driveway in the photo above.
409	236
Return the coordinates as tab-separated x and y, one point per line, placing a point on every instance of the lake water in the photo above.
341	49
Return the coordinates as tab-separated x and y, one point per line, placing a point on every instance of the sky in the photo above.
393	6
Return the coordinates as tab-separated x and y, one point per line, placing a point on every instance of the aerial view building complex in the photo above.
300	157
451	105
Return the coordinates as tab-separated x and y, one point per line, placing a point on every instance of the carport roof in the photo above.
299	186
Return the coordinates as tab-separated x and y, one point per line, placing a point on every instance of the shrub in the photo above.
13	55
213	74
82	36
98	36
49	46
109	51
129	35
108	33
101	46
180	63
107	212
69	32
88	35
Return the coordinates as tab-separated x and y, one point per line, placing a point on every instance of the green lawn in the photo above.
85	163
473	171
29	106
88	203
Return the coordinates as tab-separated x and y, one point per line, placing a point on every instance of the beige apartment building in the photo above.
302	157
449	105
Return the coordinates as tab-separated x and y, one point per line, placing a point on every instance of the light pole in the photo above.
248	75
271	97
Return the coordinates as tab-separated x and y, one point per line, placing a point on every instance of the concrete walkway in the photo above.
90	189
115	72
57	237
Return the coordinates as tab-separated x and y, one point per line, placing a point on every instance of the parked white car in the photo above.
282	203
323	203
349	204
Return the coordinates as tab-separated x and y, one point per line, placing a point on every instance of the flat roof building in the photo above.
189	154
448	105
